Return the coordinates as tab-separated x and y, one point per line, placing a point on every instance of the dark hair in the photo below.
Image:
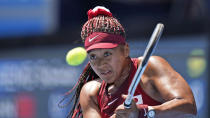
99	23
87	75
102	23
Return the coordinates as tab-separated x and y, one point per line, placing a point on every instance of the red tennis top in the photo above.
108	103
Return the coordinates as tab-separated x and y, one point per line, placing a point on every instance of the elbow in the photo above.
192	109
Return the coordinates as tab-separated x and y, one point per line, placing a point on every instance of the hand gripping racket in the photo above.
147	53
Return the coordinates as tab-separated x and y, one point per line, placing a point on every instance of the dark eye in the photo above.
106	54
92	57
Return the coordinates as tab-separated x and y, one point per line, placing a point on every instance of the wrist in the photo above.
151	112
150	108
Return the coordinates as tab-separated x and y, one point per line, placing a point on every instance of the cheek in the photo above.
117	64
94	68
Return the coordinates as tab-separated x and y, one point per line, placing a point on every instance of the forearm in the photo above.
175	108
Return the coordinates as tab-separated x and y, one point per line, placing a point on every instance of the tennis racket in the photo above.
147	53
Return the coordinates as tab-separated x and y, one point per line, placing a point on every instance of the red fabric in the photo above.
103	40
99	11
104	99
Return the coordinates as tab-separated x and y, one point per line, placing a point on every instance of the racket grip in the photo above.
128	101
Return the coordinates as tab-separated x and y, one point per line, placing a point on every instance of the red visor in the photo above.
103	40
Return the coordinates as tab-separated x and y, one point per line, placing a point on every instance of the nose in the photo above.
100	62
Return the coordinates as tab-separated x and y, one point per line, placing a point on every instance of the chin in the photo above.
109	81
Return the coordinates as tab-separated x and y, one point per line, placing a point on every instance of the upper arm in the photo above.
88	100
167	82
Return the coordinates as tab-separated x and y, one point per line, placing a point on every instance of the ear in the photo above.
126	50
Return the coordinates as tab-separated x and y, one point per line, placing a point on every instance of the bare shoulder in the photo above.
88	99
91	88
89	91
157	60
159	68
154	59
157	63
158	73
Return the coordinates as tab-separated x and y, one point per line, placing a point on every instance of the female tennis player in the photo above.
104	82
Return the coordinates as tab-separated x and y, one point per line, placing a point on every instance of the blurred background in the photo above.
35	36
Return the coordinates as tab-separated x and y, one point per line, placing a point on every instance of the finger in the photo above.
124	96
118	115
121	115
113	116
120	108
133	103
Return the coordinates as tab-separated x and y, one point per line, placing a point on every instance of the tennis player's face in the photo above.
108	64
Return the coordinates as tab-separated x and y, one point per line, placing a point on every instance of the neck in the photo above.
124	75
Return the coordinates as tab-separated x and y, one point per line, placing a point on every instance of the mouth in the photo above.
106	72
107	76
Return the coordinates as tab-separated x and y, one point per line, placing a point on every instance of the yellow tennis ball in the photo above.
76	56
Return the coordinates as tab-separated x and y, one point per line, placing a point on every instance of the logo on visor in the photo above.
91	39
